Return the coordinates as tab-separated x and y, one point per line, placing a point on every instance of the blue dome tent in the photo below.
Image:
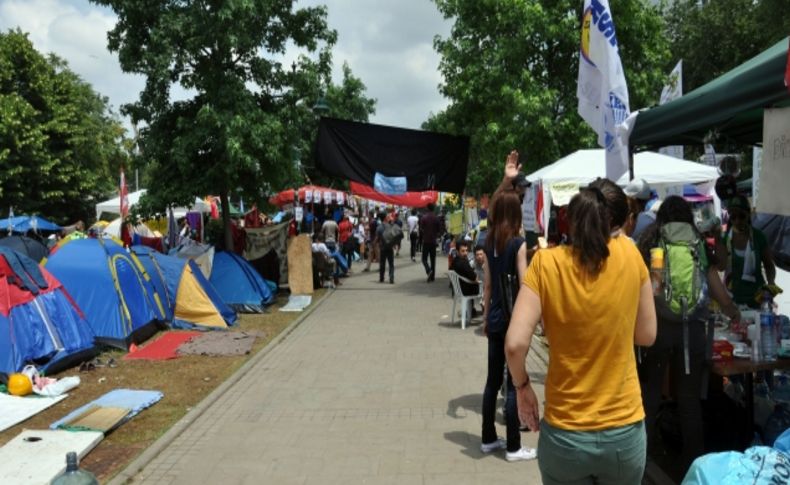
239	284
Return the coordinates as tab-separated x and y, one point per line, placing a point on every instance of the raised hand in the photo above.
511	165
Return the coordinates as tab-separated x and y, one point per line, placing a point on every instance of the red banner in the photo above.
409	199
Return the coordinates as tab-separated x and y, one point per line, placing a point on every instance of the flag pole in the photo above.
630	162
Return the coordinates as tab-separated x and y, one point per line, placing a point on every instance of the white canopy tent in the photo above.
665	174
113	205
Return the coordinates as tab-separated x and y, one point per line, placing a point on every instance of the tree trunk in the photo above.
226	231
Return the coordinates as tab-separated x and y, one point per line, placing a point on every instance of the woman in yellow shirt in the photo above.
595	299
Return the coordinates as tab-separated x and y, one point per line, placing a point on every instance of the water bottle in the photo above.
74	475
768	335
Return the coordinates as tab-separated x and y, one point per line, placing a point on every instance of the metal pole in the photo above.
630	162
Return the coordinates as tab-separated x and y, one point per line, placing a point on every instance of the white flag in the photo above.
602	91
672	91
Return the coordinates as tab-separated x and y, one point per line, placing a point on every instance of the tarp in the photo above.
23	224
731	105
262	240
40	325
584	166
190	299
238	284
409	199
111	288
113	206
777	231
361	151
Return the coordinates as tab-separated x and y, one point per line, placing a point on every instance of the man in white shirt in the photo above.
330	229
413	223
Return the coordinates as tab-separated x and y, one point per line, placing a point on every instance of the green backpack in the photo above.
685	265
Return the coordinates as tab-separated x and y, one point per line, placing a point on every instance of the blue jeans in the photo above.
496	366
613	456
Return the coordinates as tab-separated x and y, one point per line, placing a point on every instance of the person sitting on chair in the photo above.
464	269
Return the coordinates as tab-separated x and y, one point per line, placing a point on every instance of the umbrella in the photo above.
25	223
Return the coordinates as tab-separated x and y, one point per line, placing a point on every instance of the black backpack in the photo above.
508	280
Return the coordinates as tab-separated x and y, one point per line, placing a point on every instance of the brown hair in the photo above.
616	201
589	218
504	220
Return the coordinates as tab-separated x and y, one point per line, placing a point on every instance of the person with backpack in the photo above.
682	296
388	236
595	300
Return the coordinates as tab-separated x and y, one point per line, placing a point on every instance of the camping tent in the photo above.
731	105
39	323
27	246
190	300
202	254
113	206
238	284
23	224
111	286
113	229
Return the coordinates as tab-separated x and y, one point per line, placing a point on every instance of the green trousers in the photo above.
613	456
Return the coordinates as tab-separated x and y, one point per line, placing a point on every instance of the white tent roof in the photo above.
114	205
658	170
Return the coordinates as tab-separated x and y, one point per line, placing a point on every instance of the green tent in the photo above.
730	105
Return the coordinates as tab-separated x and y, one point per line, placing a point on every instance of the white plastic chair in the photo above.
459	297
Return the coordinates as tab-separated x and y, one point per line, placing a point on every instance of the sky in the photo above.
387	43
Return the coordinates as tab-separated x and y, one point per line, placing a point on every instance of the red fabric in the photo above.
163	348
253	218
539	208
11	295
214	209
153	243
345	228
287	196
124	197
409	199
126	235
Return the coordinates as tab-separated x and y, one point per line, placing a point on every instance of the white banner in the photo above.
775	165
298	214
317	196
340	198
529	218
327	197
602	90
563	192
308	196
673	91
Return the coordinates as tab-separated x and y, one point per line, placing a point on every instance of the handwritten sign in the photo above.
775	165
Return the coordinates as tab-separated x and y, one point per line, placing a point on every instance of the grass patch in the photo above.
184	382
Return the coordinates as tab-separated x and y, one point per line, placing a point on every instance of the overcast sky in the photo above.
387	43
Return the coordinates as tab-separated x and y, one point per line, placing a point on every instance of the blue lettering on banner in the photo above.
603	20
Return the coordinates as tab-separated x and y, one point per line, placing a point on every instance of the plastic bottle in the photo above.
768	334
657	269
74	475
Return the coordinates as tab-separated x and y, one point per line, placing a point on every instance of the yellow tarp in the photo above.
193	304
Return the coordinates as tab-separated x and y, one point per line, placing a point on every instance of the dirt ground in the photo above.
184	381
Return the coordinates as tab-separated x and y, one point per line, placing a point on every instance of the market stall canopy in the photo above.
287	196
584	166
113	206
409	199
730	105
23	224
411	159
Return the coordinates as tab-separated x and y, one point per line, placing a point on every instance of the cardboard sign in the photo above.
775	165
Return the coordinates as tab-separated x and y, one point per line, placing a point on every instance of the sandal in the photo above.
87	367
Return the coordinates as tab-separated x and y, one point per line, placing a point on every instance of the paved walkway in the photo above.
374	386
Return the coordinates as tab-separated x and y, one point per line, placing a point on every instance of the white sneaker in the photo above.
521	455
499	444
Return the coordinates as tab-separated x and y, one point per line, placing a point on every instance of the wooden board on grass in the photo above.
38	456
300	265
98	418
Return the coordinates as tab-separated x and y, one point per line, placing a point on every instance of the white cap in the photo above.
638	189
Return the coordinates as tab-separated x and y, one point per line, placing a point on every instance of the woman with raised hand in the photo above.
596	301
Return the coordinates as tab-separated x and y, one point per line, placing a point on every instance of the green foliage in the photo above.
60	145
510	71
249	116
714	37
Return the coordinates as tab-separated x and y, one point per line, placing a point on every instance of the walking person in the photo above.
431	230
386	249
373	251
347	242
505	252
596	301
412	223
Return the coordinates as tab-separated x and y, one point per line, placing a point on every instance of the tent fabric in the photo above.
202	254
289	196
731	105
27	246
358	151
190	298
23	224
111	287
777	231
46	329
584	166
113	206
238	284
409	199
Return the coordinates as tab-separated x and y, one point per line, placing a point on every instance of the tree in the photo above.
60	144
510	69
238	131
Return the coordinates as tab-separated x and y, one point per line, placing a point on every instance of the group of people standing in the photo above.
599	309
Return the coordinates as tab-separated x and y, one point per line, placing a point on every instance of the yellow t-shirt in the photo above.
592	382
